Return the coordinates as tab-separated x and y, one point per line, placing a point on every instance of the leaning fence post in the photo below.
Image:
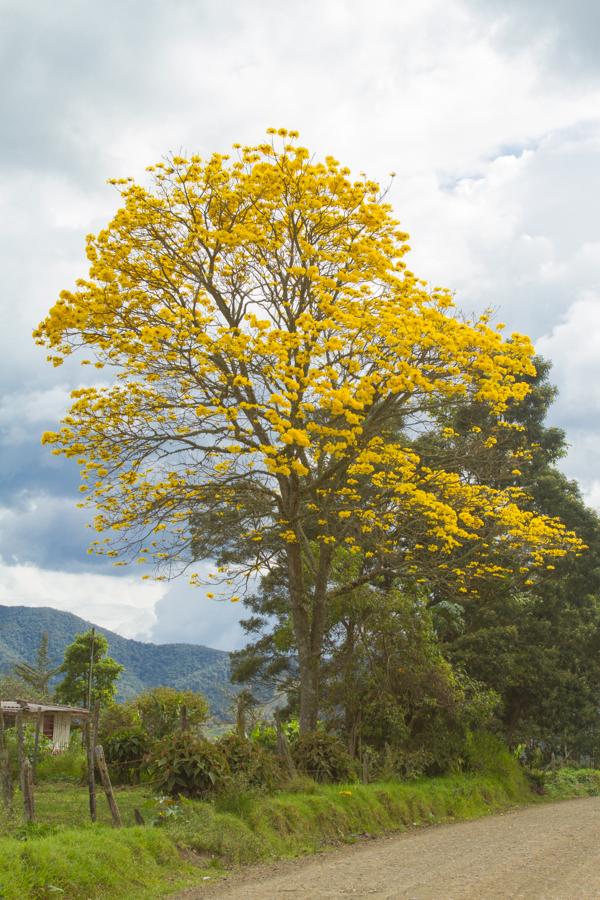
108	790
28	798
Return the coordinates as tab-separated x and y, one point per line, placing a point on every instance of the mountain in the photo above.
185	666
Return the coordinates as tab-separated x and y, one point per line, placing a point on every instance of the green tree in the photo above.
39	674
537	646
273	357
85	656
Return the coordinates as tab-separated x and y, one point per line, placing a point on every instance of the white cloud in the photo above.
145	610
496	155
573	345
122	604
184	613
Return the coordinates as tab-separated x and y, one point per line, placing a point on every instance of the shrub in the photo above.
70	765
485	752
45	747
158	711
398	762
188	765
324	757
300	784
258	766
117	717
537	779
265	734
126	752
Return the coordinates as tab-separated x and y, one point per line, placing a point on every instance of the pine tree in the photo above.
39	674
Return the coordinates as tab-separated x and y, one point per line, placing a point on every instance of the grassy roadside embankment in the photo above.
99	862
53	859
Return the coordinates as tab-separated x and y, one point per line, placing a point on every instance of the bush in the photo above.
126	753
188	765
265	734
157	711
117	717
571	783
537	779
397	762
300	784
70	765
257	766
45	747
324	757
485	752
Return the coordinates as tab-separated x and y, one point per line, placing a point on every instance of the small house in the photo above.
55	720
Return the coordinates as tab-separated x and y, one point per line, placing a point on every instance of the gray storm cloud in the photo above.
486	109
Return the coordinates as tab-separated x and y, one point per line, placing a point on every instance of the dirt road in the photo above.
550	852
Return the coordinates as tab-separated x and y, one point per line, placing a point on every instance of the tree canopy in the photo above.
276	362
89	674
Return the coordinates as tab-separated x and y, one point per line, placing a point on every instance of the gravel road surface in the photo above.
549	851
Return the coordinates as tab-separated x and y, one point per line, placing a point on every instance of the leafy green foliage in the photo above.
11	743
565	783
115	717
265	734
67	766
188	765
126	753
88	653
259	767
162	709
537	645
324	757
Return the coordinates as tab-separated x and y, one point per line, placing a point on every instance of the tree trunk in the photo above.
308	617
309	691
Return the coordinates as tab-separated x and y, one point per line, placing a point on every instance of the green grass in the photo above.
567	783
65	855
289	824
65	805
92	862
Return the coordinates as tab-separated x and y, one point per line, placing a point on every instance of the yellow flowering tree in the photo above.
270	349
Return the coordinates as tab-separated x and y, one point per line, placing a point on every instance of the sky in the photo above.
487	110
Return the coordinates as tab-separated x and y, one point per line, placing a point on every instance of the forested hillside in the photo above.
146	665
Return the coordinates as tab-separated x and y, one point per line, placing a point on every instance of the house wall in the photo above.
62	730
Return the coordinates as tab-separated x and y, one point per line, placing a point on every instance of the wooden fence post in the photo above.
5	775
39	724
20	746
112	803
365	769
28	798
91	775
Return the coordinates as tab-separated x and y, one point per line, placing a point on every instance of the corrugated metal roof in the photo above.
29	706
